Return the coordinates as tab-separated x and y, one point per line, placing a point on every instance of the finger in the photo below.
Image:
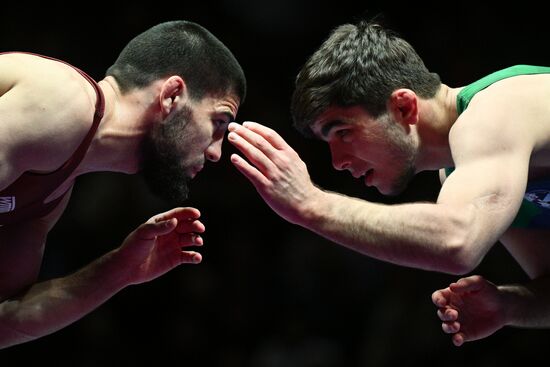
257	140
190	239
182	214
190	257
458	339
190	226
249	171
254	151
269	134
450	327
152	230
441	297
447	314
470	284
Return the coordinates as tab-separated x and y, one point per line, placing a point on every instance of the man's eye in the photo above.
218	122
342	133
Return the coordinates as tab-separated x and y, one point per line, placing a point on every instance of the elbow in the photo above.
464	252
462	260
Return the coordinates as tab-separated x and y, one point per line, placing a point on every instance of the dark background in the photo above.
268	293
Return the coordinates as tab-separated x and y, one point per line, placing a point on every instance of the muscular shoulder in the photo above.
511	114
517	107
46	108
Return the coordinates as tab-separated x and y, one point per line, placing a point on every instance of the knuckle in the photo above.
260	143
273	176
284	160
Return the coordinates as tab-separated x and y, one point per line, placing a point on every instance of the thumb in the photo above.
473	283
154	229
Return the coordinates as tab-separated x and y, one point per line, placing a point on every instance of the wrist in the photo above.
313	210
114	265
514	302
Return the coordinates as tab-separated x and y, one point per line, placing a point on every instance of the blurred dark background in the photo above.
268	293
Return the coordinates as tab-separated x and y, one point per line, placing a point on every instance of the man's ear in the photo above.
403	105
172	92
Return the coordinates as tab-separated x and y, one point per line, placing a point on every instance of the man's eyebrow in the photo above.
229	115
327	127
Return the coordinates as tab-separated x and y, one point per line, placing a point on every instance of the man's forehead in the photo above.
229	101
232	104
335	116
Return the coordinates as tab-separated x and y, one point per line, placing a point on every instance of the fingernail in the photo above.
232	136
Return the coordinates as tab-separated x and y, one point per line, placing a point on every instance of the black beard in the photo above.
161	161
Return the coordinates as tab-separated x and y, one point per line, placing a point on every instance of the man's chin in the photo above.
392	191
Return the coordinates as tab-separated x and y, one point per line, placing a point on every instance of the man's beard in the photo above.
162	150
401	183
404	152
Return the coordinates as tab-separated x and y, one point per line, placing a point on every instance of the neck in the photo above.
116	146
436	119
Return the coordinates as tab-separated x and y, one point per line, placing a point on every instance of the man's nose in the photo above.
214	151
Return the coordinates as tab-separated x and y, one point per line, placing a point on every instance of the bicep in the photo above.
491	153
9	120
491	188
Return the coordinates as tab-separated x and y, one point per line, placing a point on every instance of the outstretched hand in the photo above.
155	247
470	309
274	168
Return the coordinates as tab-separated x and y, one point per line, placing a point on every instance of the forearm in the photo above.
527	305
421	235
51	305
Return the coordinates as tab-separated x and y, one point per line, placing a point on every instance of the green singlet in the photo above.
535	208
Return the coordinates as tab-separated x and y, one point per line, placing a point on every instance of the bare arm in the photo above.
476	205
473	308
150	251
528	304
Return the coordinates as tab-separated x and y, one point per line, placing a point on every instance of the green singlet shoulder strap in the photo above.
468	92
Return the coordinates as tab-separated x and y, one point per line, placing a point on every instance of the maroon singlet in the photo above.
24	199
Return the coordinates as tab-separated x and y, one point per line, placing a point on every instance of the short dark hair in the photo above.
180	48
362	65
